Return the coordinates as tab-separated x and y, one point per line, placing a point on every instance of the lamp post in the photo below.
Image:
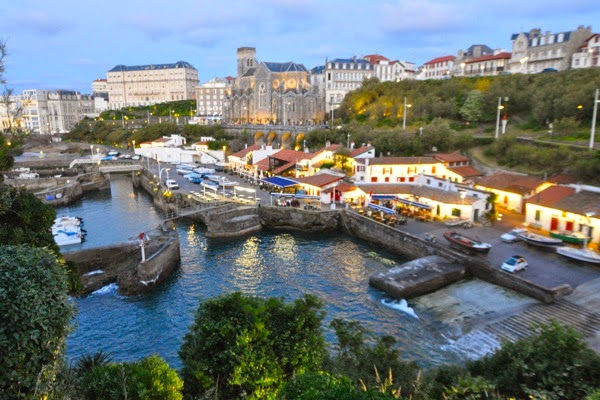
594	114
348	141
406	106
500	107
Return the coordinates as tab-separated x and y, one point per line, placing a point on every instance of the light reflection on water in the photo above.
333	267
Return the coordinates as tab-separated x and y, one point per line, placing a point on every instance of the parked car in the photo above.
515	263
512	236
113	153
171	184
109	158
135	158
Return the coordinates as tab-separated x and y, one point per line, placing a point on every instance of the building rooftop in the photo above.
126	68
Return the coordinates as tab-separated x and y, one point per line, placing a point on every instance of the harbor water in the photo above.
333	267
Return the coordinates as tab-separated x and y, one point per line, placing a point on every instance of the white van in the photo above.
171	184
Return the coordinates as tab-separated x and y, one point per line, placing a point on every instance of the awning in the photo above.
381	208
279	181
296	196
414	203
384	197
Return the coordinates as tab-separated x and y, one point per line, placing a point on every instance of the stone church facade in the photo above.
272	93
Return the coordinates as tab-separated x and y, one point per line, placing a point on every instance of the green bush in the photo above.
36	318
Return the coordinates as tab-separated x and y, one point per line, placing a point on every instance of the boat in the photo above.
67	230
583	254
227	184
569	236
539	240
462	242
203	171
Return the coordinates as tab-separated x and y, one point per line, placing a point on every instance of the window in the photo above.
374	179
538	214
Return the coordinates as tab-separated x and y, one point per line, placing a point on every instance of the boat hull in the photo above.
464	243
539	240
579	254
569	237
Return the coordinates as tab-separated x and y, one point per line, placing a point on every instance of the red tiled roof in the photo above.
500	56
244	152
451	157
440	59
402	160
375	58
263	164
345	187
291	155
514	183
551	196
562	179
161	140
319	180
360	150
466	171
331	147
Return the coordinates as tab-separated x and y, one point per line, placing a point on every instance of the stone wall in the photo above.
232	221
295	218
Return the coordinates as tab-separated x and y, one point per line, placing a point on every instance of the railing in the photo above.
120	168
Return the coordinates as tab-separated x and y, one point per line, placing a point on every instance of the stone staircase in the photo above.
489	338
566	313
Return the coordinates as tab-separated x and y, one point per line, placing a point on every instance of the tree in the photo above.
24	219
36	318
472	109
244	346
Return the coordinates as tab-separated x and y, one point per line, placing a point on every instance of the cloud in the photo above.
39	23
149	25
422	16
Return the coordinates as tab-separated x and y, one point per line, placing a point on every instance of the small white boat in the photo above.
539	240
67	230
584	254
203	171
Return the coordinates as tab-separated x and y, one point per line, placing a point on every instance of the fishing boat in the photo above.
569	236
462	242
539	240
583	254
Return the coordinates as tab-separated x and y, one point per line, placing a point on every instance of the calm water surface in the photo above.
335	268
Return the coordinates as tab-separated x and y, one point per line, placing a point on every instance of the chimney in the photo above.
246	146
327	143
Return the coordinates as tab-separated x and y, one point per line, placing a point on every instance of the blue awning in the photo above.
296	196
279	181
384	197
381	208
414	203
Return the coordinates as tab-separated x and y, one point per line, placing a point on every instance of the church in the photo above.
272	93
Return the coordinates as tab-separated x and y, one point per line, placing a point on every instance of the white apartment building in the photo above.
489	65
438	68
66	108
535	52
343	76
390	71
144	85
35	111
588	54
209	100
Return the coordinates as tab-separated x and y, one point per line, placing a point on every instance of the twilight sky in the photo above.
66	44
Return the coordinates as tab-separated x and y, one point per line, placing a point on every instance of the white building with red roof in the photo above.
588	54
489	65
438	68
390	71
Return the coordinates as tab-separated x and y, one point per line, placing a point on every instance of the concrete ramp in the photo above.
418	277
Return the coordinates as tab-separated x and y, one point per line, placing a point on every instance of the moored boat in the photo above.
584	254
569	236
462	242
67	230
539	240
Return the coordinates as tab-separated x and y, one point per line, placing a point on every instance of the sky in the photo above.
66	44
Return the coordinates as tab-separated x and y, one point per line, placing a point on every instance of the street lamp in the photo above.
404	114
500	107
594	114
348	141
